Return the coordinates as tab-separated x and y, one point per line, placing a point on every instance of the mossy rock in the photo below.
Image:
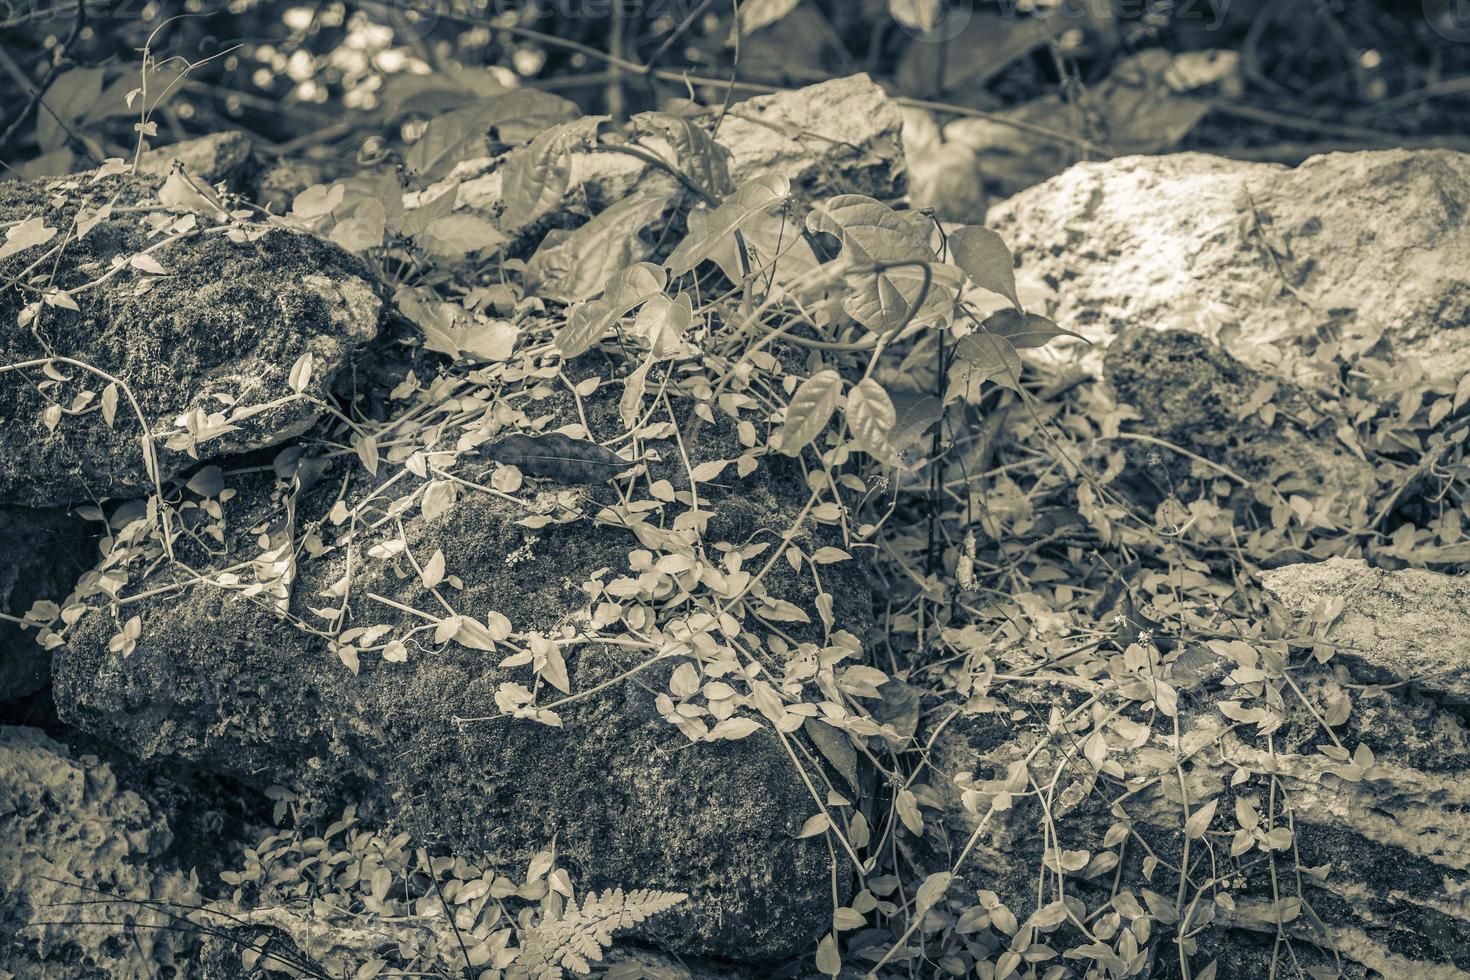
220	679
218	334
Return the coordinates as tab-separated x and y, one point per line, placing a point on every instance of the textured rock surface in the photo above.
218	333
212	158
1394	626
1194	394
841	136
1263	258
218	679
1393	835
70	834
45	552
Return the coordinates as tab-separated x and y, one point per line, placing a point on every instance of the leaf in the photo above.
755	196
733	729
587	322
828	961
510	117
984	257
923	16
438	498
813	826
836	748
630	406
557	457
433	572
451	329
1025	331
983	356
576	265
109	404
455	235
755	14
1199	820
931	891
317	201
69	97
663	323
810	410
147	263
28	234
300	375
696	154
881	294
872	418
535	177
364	230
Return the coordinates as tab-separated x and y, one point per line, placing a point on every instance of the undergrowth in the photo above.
1035	561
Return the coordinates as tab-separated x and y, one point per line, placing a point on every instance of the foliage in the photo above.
995	501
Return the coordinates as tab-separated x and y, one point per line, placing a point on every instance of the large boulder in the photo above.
202	332
46	551
1360	249
210	671
1360	792
86	890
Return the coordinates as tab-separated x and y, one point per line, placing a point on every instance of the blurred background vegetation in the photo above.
348	84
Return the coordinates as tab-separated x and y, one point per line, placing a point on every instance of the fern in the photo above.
579	937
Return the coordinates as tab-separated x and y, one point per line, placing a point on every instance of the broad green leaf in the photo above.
455	235
759	194
575	265
931	891
509	118
872	417
68	99
810	410
873	234
663	323
984	257
695	153
317	200
451	329
536	176
625	292
755	14
1199	820
28	234
1025	330
983	356
777	253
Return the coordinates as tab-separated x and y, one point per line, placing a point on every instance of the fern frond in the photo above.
577	940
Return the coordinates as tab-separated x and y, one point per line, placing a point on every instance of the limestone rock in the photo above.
1369	247
1393	626
45	551
1383	826
217	678
206	347
71	834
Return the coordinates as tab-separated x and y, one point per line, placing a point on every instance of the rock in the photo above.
1267	432
46	552
1369	247
1380	827
217	157
206	348
217	678
840	136
1409	625
72	840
